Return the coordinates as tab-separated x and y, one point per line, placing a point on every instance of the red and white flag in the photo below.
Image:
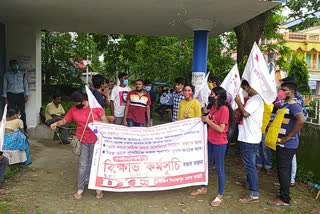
93	103
3	126
231	83
257	74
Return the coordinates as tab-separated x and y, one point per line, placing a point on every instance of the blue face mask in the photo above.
148	88
125	82
15	67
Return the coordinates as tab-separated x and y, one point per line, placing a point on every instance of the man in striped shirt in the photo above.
288	141
177	96
138	105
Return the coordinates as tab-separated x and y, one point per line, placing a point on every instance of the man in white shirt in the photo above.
118	98
164	104
249	138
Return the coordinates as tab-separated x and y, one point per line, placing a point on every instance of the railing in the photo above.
312	105
302	36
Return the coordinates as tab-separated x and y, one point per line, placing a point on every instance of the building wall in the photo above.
23	43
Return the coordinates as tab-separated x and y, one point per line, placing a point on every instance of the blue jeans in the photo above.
3	165
294	169
132	123
218	152
249	154
264	156
65	131
85	156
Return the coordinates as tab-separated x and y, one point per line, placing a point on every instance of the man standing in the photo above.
16	90
147	86
177	96
138	104
118	98
3	165
288	141
249	138
164	104
100	90
55	112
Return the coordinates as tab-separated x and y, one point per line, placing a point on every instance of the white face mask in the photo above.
18	117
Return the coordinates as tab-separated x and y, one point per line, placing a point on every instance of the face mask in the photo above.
187	94
212	99
210	86
79	106
15	67
164	94
19	116
179	90
148	88
139	90
125	82
282	95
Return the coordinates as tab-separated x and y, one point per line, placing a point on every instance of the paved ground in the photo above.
48	185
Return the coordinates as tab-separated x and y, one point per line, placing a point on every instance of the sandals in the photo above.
278	203
3	191
198	192
216	202
249	199
99	194
274	194
269	171
77	196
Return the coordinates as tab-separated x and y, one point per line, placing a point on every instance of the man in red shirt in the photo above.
138	103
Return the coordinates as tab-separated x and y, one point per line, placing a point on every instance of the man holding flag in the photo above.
259	87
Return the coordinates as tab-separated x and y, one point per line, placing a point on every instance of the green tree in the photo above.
304	10
298	69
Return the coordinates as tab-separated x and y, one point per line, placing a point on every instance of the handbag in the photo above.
76	143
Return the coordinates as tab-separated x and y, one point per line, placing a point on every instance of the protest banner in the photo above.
3	126
231	84
202	93
257	74
162	157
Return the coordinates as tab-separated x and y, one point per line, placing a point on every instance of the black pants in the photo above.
160	110
284	165
17	101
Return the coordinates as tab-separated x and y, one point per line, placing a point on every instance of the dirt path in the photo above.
48	185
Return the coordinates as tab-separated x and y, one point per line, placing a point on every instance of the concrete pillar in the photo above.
24	44
200	28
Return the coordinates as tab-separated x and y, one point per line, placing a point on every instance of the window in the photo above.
308	60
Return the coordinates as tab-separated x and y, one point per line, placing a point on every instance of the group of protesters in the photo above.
133	108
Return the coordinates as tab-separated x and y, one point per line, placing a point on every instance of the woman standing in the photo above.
189	107
80	113
218	120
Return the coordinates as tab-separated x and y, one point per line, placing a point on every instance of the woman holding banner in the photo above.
83	115
189	107
218	120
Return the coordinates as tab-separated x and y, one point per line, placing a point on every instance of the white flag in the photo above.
257	74
3	126
232	84
203	92
93	103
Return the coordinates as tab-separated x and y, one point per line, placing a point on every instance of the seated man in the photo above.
3	165
55	112
164	104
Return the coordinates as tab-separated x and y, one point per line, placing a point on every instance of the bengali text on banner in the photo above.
162	157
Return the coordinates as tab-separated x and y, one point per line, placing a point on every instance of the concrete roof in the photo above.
136	17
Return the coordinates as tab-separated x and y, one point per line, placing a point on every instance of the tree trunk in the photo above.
248	33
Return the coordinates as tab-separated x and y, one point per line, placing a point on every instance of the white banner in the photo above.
3	126
162	157
257	74
232	84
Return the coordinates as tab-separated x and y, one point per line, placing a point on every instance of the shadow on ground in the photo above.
48	185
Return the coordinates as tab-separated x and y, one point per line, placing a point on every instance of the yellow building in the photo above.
307	42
